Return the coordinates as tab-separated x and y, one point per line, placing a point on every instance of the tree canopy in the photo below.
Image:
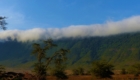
3	22
40	51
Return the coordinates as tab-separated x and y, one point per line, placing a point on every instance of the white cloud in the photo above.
131	24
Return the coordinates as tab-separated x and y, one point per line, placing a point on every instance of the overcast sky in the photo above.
69	18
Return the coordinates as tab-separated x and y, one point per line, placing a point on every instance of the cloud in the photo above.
131	24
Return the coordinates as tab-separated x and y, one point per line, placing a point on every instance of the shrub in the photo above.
59	72
135	69
123	71
40	70
102	69
2	69
78	71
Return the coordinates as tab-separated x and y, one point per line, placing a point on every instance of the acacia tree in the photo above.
40	52
43	60
59	64
2	22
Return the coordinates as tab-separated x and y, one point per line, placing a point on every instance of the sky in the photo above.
68	18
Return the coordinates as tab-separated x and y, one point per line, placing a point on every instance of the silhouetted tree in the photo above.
102	69
2	22
40	52
44	60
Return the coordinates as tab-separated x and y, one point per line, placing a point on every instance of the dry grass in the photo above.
117	76
126	77
89	77
72	77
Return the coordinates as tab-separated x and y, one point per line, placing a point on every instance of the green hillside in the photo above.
121	50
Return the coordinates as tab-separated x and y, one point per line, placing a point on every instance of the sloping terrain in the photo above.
121	50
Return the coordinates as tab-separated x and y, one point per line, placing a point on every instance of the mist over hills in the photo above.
122	50
108	28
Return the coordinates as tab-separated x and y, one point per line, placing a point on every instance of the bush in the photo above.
102	69
123	71
2	69
78	71
135	69
40	70
59	73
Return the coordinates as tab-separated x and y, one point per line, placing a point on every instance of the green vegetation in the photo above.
59	72
40	52
122	50
2	22
102	69
135	69
59	60
43	60
123	71
78	71
40	71
2	69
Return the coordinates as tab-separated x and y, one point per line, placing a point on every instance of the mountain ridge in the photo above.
122	50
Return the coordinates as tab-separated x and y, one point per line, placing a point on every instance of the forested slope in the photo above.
121	50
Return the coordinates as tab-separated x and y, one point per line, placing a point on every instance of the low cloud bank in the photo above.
131	24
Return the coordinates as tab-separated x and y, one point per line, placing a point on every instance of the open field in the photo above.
29	76
117	76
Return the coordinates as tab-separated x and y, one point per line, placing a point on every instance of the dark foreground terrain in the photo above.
28	76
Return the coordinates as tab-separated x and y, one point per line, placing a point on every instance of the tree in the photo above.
102	69
2	22
39	51
59	70
43	60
